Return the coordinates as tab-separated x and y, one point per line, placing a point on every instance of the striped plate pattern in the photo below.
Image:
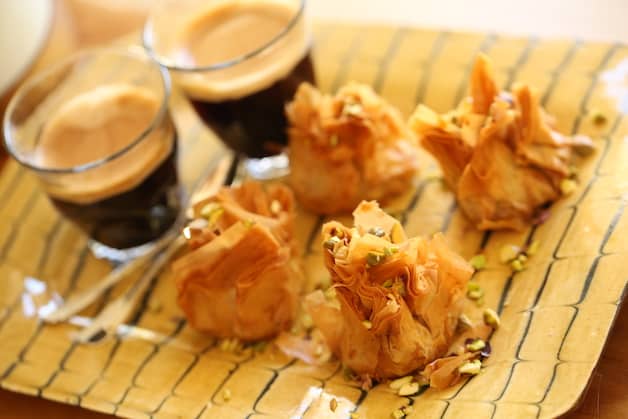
556	315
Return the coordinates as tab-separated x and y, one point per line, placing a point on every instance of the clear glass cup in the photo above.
239	62
96	131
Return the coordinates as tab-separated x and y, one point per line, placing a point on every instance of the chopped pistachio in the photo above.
400	287
478	262
508	252
471	367
248	223
212	212
374	259
408	409
226	394
367	324
480	301
474	291
517	265
396	234
522	258
599	118
354	415
400	382
333	404
476	345
568	186
533	248
409	389
376	231
397	414
491	318
388	283
333	140
389	251
275	207
330	243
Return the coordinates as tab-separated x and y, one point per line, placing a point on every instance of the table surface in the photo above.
606	397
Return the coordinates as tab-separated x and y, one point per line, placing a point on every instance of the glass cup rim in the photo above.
132	52
148	46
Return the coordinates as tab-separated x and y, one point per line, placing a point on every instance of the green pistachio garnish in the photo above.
374	259
471	367
491	318
476	345
508	252
517	265
212	212
568	186
474	291
333	140
368	325
388	283
389	251
478	262
533	248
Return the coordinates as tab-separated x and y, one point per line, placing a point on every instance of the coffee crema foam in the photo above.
97	124
227	30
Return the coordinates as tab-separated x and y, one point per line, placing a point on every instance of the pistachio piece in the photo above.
226	394
533	248
508	252
517	265
389	251
374	259
476	345
471	367
400	382
388	283
474	291
212	212
397	414
491	318
478	262
409	389
333	140
568	186
367	324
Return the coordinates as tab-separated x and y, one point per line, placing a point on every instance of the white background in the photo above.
605	20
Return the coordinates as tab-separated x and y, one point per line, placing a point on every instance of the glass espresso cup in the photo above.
239	62
96	132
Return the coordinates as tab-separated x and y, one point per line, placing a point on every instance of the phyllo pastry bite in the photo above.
397	300
241	278
347	147
500	152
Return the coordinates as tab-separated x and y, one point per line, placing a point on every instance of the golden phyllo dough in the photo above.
398	300
499	152
347	147
241	278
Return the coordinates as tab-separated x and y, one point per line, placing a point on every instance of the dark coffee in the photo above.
133	217
256	124
132	197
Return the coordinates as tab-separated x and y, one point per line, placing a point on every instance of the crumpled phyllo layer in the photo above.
398	299
499	151
347	147
242	277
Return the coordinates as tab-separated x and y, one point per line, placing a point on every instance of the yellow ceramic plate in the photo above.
556	315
